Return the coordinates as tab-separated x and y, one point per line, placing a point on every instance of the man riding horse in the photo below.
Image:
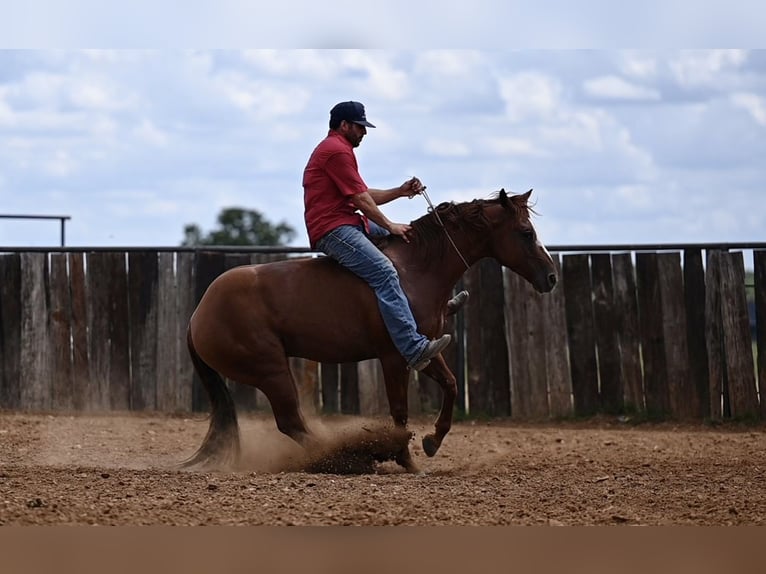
253	317
334	194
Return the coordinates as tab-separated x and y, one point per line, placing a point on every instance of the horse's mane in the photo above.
429	238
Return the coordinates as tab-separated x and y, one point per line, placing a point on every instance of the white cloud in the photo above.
529	95
118	56
157	206
448	63
380	78
61	164
38	88
92	95
513	147
79	134
577	131
614	87
262	98
6	113
705	67
635	196
58	91
317	65
147	132
638	65
103	127
755	105
446	148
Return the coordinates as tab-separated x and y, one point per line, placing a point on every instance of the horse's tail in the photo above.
221	444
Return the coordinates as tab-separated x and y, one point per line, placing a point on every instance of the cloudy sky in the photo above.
620	146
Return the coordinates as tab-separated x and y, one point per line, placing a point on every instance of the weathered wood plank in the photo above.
736	337
372	390
36	376
494	337
581	333
489	385
626	302
516	316
185	307
414	399
305	373
349	389
108	331
232	260
713	335
61	331
526	344
168	343
119	333
681	394
330	375
759	271
557	349
652	336
143	283
536	363
694	290
611	387
81	392
10	331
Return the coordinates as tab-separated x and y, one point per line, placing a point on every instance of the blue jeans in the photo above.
351	247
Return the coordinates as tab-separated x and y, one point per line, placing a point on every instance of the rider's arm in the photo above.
409	188
365	203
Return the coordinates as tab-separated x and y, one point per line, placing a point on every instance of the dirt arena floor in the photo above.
120	470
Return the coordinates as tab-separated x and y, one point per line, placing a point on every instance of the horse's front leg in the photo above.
397	376
439	371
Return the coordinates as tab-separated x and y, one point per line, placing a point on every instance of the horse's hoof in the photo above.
430	445
404	459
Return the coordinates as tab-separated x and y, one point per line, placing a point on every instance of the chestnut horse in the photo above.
252	318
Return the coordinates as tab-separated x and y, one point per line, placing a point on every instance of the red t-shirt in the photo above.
330	179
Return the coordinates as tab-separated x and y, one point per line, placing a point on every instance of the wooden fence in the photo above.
654	333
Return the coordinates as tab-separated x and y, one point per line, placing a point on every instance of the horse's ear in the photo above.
503	197
525	196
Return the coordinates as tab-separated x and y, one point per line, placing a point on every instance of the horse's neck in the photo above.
437	276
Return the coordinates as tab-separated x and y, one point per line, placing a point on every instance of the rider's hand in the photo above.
402	230
412	187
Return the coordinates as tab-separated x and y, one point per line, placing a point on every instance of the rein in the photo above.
441	223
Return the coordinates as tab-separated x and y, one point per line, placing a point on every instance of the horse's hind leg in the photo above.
276	382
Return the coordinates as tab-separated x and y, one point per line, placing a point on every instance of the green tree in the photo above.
238	226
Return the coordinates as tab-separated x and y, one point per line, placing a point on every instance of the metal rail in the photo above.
288	249
62	219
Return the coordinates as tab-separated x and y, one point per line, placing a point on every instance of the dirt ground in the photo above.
120	470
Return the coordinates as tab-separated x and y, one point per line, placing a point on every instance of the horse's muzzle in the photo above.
547	283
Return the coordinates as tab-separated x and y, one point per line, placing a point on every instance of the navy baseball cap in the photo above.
351	112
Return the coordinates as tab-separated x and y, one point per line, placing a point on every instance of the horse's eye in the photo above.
528	234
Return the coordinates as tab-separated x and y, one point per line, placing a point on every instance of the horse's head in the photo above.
514	242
